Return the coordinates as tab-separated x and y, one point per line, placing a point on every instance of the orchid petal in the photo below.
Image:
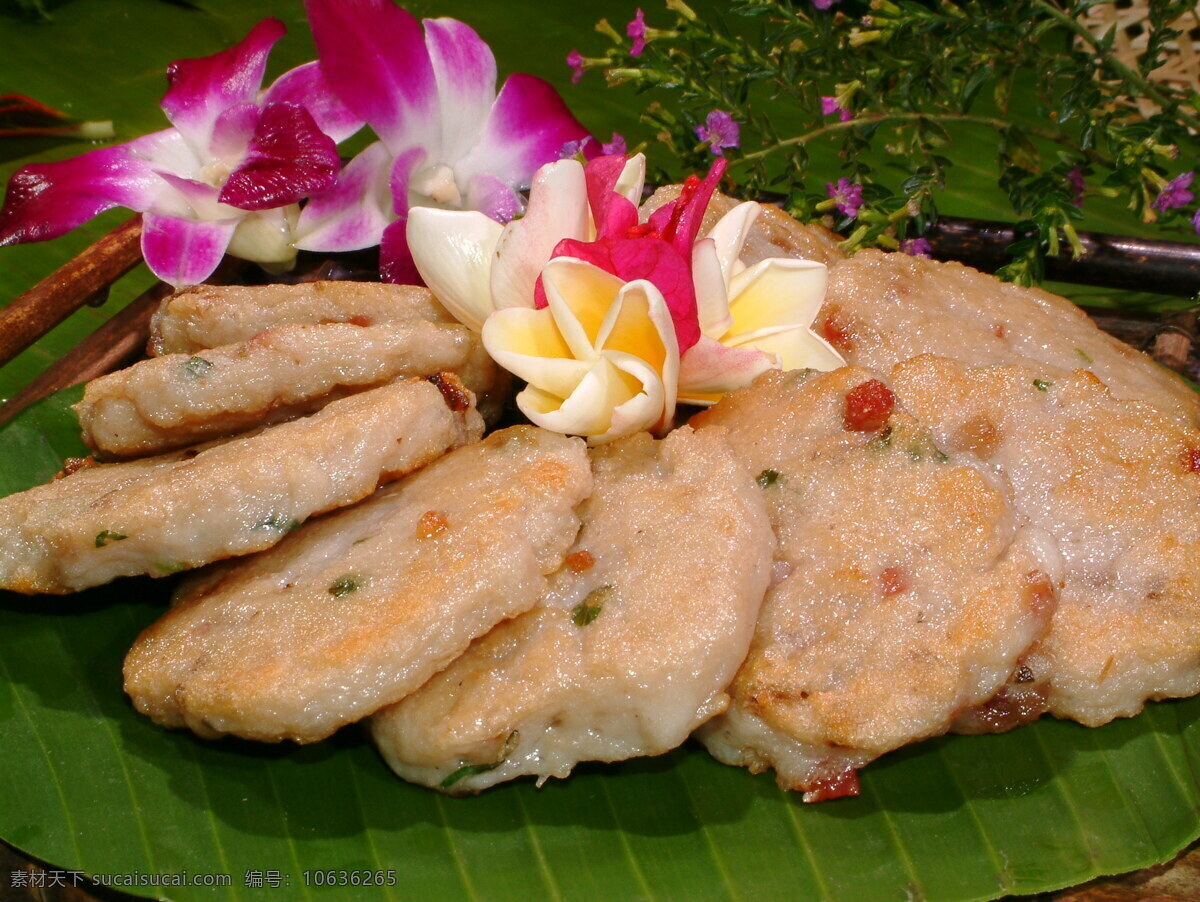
306	85
373	55
712	300
46	200
776	292
709	369
558	209
580	297
182	251
266	237
465	71
165	151
202	200
231	132
355	211
526	128
493	198
529	344
288	158
453	251
730	235
396	264
201	89
401	174
794	348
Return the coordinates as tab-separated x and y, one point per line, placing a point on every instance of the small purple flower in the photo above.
1196	221
615	147
575	61
847	196
720	131
829	106
637	30
915	247
1175	194
824	4
1075	177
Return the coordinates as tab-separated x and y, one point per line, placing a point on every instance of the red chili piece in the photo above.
837	333
894	581
1190	457
869	406
836	787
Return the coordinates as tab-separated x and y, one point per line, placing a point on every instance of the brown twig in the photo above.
84	279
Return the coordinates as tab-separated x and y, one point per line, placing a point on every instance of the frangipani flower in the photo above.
601	358
590	271
227	176
447	139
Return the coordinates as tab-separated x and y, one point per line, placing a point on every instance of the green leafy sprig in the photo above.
889	84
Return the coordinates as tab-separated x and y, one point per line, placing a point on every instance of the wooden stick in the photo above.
84	279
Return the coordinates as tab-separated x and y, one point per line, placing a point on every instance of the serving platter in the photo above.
86	785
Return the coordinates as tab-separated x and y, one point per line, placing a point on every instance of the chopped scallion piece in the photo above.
344	585
768	478
103	538
196	368
1042	384
589	609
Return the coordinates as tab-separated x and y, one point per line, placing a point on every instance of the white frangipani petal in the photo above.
528	344
794	348
776	292
729	235
453	251
639	327
712	290
632	181
580	296
590	409
558	209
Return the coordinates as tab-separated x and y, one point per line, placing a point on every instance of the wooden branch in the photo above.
84	279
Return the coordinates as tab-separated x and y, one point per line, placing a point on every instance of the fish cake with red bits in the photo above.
188	508
209	316
1116	485
177	400
633	645
881	308
356	610
903	590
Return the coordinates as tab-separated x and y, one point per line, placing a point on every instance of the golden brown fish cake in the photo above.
210	316
356	610
177	400
1116	485
903	589
774	234
882	308
631	648
163	514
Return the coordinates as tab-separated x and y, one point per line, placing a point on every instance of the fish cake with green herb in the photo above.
181	510
1115	484
177	400
356	610
634	643
904	589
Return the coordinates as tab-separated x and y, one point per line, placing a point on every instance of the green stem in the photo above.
1110	61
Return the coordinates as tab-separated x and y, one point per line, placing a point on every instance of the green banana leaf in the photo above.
87	784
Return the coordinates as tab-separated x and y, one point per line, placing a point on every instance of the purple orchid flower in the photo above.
847	196
720	131
636	30
1175	193
446	138
226	177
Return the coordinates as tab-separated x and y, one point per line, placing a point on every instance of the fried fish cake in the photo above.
774	233
882	308
634	643
904	590
177	400
176	511
1116	485
210	316
356	610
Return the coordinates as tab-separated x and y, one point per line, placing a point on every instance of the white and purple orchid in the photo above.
227	176
447	139
609	320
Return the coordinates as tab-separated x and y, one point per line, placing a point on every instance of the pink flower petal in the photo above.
232	131
355	211
46	200
373	55
527	128
402	169
183	251
306	85
709	369
395	259
289	158
613	214
465	71
201	89
493	198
